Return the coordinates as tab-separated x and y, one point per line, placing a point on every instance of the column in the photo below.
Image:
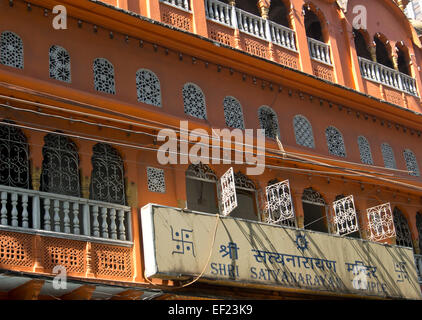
199	18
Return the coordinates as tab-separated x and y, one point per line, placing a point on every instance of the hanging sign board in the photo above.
177	245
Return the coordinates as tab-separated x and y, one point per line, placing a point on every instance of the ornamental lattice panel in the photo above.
112	261
194	101
345	217
104	76
268	121
303	132
148	87
70	254
233	113
365	151
228	193
279	205
11	50
16	249
335	142
380	222
59	61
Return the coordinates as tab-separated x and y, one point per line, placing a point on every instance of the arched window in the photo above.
194	101
365	151
403	235
313	25
403	60
107	177
388	156
247	202
315	217
201	188
335	142
268	121
11	50
383	53
14	155
411	162
60	166
361	45
279	13
419	228
59	64
104	76
148	87
303	132
233	113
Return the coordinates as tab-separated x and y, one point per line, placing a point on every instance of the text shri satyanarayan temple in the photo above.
89	211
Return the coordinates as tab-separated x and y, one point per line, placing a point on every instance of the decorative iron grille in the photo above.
104	76
380	222
268	121
14	155
107	178
194	101
303	132
335	142
365	151
403	235
11	50
388	156
59	60
60	166
228	193
148	87
233	113
279	205
345	217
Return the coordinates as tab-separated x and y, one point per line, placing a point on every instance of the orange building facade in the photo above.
335	84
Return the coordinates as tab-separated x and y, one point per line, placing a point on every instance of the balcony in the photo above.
381	74
180	244
39	231
319	51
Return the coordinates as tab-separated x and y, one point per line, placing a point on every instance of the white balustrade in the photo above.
182	4
219	12
377	72
30	209
319	51
251	24
282	36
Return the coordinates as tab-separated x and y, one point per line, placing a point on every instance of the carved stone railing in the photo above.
319	51
418	262
282	36
220	12
252	24
377	72
54	213
181	4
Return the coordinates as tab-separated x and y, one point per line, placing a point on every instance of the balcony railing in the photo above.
319	51
34	210
418	262
282	36
251	24
182	4
220	12
377	72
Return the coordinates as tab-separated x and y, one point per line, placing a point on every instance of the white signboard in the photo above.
177	246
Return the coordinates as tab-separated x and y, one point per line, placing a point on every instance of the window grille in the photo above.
303	132
228	193
11	50
194	101
403	235
388	156
148	87
107	178
233	113
279	206
60	166
156	180
411	163
59	60
335	142
380	222
104	76
365	151
268	121
14	155
345	218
